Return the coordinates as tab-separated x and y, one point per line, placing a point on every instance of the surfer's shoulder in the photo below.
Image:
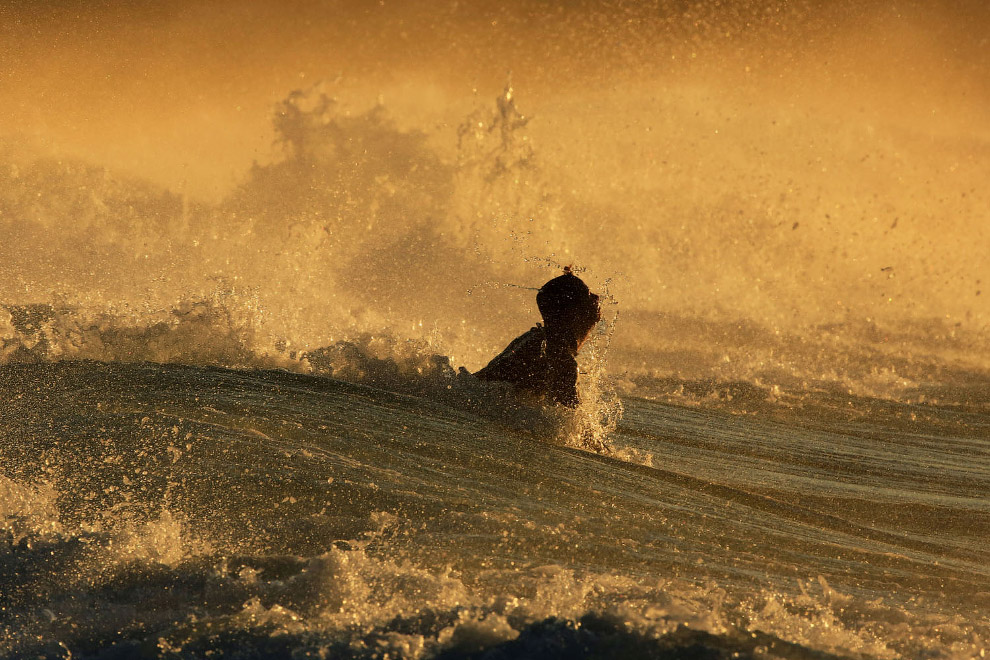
521	362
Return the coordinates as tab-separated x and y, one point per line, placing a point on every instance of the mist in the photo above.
760	187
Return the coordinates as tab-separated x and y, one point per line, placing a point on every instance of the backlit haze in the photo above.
768	190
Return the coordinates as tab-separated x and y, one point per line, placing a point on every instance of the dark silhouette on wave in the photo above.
543	360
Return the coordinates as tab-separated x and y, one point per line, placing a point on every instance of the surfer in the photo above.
543	360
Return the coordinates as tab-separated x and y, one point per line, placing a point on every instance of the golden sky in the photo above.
182	92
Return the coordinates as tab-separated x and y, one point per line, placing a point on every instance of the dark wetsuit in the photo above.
539	362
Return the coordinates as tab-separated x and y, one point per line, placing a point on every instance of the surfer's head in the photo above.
567	304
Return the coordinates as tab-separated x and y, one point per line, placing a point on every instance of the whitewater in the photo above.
244	281
169	510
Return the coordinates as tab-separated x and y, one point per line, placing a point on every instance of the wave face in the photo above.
180	511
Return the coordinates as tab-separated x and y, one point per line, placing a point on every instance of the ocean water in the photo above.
245	251
169	510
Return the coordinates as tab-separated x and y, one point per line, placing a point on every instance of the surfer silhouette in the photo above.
543	360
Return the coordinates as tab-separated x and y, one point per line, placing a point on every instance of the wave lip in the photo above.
762	371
